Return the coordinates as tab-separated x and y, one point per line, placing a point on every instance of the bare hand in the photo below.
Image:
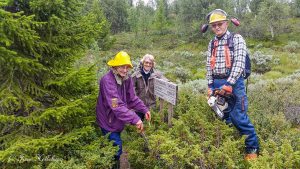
139	125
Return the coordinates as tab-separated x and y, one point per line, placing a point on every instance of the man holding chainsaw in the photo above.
225	67
117	100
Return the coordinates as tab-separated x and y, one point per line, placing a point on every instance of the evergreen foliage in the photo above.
48	90
47	106
160	18
141	21
116	13
198	139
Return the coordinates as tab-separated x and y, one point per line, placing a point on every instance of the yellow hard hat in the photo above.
121	58
217	15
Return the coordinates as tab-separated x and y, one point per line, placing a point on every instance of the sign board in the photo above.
165	90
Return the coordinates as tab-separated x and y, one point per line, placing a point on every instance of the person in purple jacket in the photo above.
117	101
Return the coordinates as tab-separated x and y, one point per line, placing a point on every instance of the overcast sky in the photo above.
146	1
135	1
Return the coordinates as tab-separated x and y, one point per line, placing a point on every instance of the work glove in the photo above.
148	116
210	91
226	89
139	125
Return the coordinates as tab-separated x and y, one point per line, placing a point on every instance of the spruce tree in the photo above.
46	104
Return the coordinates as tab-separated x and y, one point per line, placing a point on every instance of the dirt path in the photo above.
124	163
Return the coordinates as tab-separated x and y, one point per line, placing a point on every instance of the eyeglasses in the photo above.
148	63
217	24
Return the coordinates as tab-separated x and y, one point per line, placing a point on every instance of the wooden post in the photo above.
161	107
170	115
166	91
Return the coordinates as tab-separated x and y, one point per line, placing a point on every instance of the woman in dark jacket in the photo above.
143	81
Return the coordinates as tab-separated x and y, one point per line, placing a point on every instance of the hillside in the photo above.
53	53
198	138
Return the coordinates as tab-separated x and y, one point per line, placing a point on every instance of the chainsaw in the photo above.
218	103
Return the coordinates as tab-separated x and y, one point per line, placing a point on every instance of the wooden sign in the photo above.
166	90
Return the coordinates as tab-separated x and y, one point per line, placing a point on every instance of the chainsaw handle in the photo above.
216	92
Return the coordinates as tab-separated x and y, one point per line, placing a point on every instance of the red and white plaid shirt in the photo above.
238	56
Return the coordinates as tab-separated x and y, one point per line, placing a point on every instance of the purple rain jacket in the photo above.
115	103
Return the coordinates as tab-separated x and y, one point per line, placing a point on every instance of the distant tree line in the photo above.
47	105
263	19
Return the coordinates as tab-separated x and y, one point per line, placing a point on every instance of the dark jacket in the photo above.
143	91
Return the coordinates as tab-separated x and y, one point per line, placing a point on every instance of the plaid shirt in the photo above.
238	56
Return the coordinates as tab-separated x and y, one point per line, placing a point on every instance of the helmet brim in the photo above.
112	63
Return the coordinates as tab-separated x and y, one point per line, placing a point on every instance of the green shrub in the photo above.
261	62
292	47
196	86
273	75
198	139
182	74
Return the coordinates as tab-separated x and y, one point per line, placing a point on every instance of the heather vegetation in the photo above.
52	54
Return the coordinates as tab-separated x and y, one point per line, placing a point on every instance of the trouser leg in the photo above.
117	141
241	121
240	118
237	113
